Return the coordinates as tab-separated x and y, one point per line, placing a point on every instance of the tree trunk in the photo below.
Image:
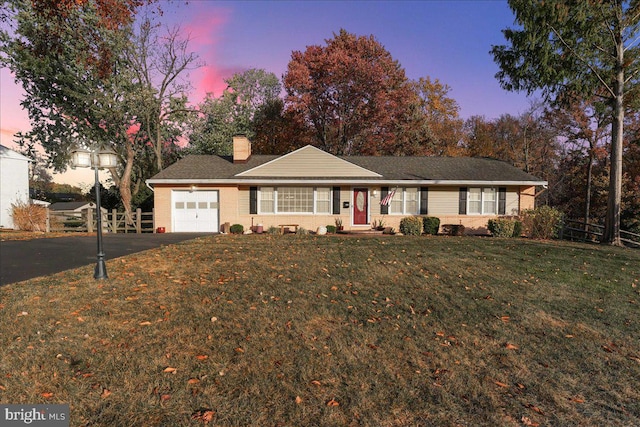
611	233
124	184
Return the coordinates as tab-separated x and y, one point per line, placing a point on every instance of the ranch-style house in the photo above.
310	188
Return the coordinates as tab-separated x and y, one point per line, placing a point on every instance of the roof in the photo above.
378	169
8	153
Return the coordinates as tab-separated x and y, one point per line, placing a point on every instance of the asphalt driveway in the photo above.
25	259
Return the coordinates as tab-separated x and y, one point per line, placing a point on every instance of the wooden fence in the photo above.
112	222
585	232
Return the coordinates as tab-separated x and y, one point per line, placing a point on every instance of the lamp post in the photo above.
98	159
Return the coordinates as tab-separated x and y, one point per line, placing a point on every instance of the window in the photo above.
482	201
405	201
267	200
295	199
323	200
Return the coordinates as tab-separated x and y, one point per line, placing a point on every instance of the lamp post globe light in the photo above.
97	159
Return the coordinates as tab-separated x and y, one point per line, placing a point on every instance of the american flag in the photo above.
387	199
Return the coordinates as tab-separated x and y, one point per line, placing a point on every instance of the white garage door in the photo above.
195	211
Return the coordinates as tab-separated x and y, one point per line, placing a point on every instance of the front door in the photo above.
360	206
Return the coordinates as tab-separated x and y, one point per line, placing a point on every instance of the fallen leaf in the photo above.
3	388
165	397
500	384
577	400
204	415
505	319
316	382
193	381
333	402
202	357
147	323
510	346
170	370
298	400
239	350
534	408
47	395
105	393
527	422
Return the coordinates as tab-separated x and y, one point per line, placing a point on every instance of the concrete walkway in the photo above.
25	259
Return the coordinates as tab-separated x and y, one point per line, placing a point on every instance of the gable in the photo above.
309	162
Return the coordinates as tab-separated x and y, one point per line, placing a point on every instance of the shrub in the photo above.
453	229
301	231
29	216
542	223
273	230
430	225
331	228
411	226
517	228
237	229
501	227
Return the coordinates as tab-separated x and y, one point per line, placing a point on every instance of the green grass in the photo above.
333	331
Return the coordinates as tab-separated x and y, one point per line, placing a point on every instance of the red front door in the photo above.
360	206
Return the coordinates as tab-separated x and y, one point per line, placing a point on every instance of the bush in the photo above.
430	225
237	229
331	228
411	226
273	230
453	229
517	228
301	231
542	223
501	227
29	216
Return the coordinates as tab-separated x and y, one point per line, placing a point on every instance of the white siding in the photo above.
14	183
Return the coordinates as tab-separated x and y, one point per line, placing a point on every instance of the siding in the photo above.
309	162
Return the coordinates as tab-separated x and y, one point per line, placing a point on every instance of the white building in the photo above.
14	183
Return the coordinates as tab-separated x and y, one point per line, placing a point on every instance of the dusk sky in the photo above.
444	40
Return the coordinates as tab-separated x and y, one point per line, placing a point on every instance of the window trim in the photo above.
403	192
276	190
496	192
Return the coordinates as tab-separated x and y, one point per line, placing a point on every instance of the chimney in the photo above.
241	149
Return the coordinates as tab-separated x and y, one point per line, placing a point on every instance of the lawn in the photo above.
333	331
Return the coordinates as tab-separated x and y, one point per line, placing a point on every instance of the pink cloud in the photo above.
206	33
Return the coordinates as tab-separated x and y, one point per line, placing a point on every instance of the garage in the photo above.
195	211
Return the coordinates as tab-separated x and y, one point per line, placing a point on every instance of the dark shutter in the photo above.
336	200
424	200
462	204
502	200
384	209
253	200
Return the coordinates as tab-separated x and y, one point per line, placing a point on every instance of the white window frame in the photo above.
483	200
316	199
401	196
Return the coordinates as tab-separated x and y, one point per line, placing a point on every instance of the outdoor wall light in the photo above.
97	159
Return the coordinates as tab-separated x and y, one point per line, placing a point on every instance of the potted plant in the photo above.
339	226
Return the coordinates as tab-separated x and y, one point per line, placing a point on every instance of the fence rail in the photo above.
112	222
585	232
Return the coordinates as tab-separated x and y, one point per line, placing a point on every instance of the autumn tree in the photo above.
441	113
351	93
586	48
584	130
232	113
159	60
70	102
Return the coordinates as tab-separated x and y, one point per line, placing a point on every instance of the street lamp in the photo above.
98	159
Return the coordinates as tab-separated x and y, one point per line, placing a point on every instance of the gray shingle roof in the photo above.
392	168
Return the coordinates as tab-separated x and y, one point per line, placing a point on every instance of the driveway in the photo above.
25	259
